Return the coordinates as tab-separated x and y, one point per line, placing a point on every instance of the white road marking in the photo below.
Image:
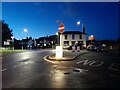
3	70
111	67
17	65
90	63
25	63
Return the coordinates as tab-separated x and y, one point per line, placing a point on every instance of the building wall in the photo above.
69	38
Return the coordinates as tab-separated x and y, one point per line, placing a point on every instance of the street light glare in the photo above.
56	33
91	35
25	30
12	37
78	23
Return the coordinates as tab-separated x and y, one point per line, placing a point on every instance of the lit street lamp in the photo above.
78	22
91	37
56	33
12	42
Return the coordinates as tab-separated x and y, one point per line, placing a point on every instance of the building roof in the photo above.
73	32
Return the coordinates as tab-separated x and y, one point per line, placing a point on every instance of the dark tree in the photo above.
6	31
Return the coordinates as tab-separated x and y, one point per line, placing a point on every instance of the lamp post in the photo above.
24	31
12	42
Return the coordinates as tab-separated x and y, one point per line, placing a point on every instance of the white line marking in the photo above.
17	65
3	70
111	67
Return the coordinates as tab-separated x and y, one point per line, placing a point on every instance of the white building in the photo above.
69	38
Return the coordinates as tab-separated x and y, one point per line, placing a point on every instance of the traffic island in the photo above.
67	56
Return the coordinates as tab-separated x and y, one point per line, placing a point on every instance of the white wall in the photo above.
69	38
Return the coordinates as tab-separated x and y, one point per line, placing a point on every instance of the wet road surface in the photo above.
90	70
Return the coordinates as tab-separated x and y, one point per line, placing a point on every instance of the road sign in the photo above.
61	28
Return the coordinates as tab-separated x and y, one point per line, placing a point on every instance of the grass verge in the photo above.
4	52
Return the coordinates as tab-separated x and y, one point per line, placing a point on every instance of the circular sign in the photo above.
61	28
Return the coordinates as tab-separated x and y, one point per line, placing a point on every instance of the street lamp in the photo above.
91	37
56	33
12	42
78	22
24	31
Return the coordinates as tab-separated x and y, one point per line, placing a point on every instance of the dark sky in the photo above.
100	19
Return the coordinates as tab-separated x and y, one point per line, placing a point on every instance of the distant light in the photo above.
44	44
78	23
56	33
25	30
92	36
12	37
38	44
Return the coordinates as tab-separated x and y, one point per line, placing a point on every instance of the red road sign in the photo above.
61	28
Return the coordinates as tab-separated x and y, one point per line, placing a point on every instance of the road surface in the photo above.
90	70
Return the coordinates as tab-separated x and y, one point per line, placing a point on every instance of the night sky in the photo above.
99	19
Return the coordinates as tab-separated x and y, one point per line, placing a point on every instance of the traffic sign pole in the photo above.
61	30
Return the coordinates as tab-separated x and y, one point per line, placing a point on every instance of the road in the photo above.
90	70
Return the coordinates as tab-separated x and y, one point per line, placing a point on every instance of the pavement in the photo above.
67	55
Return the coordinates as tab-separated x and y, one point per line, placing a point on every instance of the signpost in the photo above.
59	51
61	30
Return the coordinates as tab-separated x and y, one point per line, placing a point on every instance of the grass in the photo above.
6	51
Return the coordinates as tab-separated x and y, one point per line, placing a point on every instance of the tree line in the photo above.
6	32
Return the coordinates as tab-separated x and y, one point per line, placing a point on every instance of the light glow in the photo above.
56	33
25	30
78	23
12	37
59	52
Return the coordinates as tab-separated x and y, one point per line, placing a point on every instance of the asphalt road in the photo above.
90	70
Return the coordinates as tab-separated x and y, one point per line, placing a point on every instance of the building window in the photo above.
66	43
73	42
65	36
80	36
73	36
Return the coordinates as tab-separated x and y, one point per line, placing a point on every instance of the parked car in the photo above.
70	47
94	48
